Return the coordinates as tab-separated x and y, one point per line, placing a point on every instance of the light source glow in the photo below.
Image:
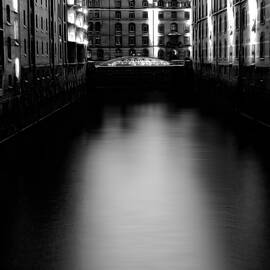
17	68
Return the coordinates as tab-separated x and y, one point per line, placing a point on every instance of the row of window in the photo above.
144	15
45	2
132	27
131	52
96	41
222	48
220	25
201	11
144	3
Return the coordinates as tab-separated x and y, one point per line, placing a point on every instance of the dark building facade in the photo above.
43	43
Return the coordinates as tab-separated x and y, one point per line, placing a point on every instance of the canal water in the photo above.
134	186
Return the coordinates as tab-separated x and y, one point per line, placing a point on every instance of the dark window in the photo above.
225	48
262	12
145	3
161	41
131	41
118	28
262	46
131	15
100	54
161	28
145	52
174	15
161	54
160	3
118	40
145	28
145	15
8	14
132	3
25	46
160	15
145	41
24	17
132	27
174	27
9	47
118	14
97	26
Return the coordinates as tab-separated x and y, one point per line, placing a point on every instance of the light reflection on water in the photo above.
151	188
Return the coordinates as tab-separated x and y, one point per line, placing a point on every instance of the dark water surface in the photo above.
146	186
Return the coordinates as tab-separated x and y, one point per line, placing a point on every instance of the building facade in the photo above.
230	36
40	41
145	27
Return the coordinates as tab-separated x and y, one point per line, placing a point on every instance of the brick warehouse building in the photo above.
149	28
231	36
43	43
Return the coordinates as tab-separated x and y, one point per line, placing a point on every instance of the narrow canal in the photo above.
145	185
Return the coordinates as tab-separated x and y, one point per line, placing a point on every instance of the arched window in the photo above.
132	3
160	3
161	54
132	52
145	3
174	27
262	46
132	27
118	28
100	54
8	13
97	26
145	28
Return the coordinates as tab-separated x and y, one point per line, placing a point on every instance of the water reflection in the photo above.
149	187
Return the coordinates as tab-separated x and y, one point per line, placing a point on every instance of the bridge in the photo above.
140	73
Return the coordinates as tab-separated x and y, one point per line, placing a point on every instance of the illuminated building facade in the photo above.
147	28
230	36
39	39
10	46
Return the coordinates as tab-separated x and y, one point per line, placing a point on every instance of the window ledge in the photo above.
9	60
8	23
